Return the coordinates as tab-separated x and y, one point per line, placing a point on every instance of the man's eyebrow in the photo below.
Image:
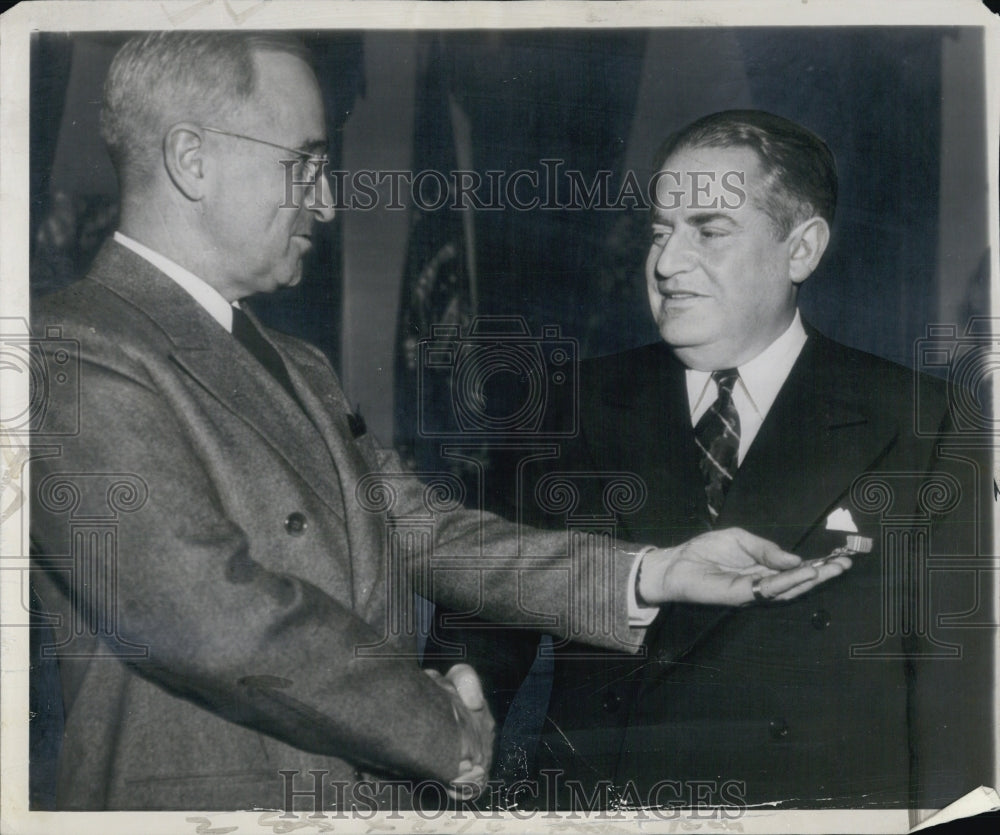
699	219
704	218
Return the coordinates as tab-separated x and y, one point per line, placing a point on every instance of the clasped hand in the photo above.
476	727
718	567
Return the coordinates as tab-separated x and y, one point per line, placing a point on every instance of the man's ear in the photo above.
182	155
806	245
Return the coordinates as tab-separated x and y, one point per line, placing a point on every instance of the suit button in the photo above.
296	524
820	619
778	729
611	702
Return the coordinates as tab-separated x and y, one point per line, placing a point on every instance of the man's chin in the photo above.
692	347
681	333
291	279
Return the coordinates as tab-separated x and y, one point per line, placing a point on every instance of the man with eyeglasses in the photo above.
239	657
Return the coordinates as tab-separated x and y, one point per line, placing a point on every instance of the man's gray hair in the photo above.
162	78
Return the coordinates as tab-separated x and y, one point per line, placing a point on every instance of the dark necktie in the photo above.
252	339
718	437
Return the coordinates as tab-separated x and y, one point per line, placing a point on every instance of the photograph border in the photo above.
16	28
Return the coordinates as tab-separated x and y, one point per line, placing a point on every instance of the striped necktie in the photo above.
718	437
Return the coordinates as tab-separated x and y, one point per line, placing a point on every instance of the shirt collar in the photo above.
199	289
762	377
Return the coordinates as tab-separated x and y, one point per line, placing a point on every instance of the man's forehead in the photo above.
280	64
709	157
287	96
707	183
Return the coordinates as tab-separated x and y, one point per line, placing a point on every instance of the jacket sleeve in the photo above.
506	572
515	575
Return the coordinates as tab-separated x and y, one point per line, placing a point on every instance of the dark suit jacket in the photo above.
831	699
218	555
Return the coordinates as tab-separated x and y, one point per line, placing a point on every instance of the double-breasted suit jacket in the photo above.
219	554
853	694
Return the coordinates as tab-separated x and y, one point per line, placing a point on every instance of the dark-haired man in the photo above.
744	415
224	636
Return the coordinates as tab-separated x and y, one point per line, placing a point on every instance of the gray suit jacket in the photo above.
219	557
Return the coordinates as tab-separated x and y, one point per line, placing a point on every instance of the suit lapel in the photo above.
818	429
815	427
220	365
645	428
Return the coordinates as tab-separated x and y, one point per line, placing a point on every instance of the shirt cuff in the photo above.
639	615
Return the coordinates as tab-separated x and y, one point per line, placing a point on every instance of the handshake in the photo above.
724	568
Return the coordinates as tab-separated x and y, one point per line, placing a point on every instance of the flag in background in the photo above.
438	285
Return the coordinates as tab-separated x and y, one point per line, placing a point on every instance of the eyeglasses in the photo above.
309	167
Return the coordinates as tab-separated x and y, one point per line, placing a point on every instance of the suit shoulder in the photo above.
103	328
885	385
88	309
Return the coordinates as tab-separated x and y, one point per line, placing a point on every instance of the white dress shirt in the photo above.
199	289
757	388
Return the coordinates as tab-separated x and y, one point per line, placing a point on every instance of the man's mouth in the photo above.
680	295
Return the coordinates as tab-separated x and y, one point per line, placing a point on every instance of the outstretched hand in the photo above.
721	567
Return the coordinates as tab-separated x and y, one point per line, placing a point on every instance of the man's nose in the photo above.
675	256
322	203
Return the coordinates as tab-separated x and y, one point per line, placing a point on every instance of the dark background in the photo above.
913	176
